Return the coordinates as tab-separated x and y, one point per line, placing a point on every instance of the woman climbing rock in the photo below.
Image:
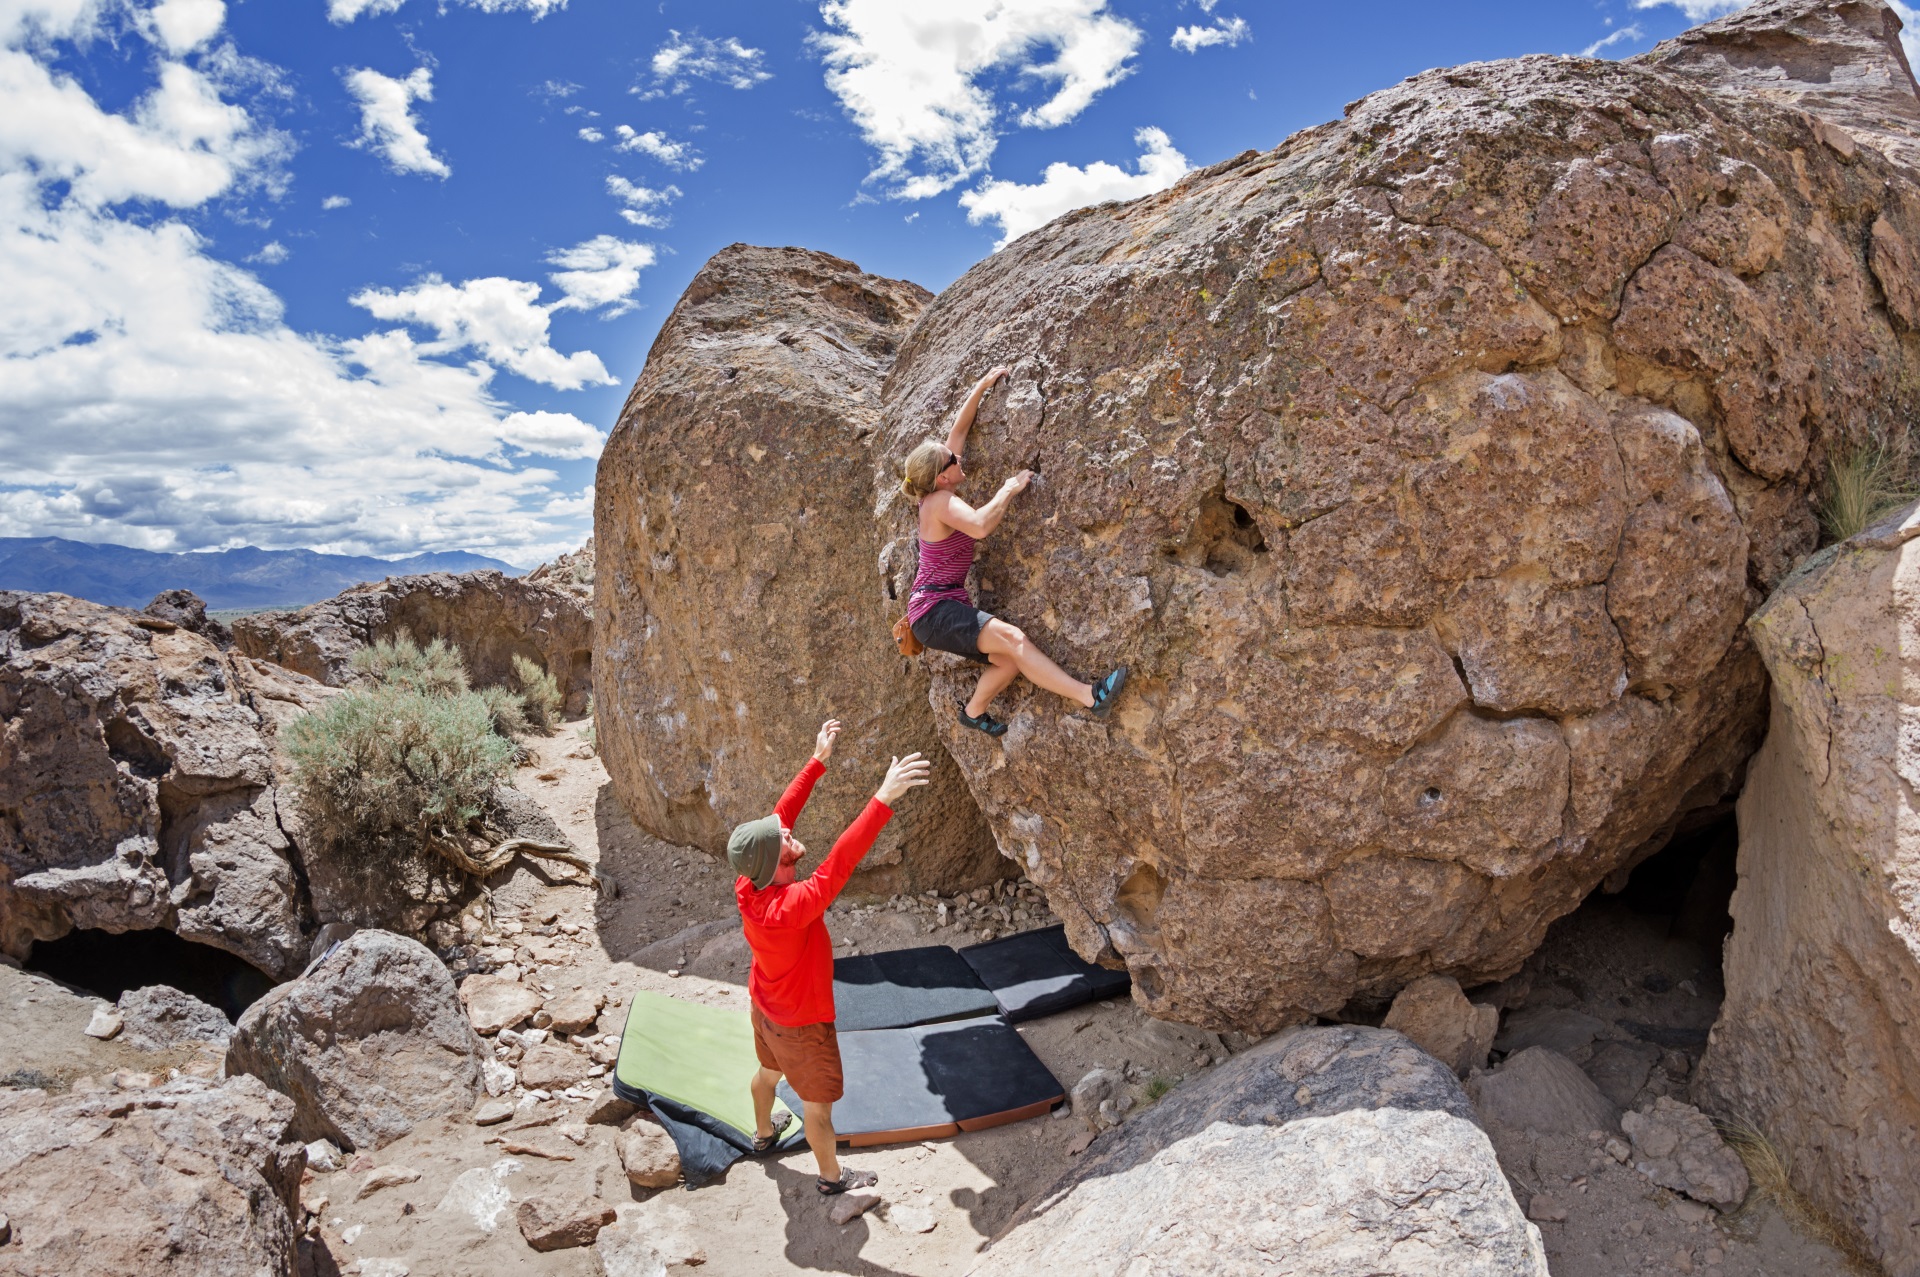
941	612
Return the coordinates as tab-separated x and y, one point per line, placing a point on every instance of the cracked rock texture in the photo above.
1423	469
489	616
192	1178
138	785
738	607
1369	1142
1817	1042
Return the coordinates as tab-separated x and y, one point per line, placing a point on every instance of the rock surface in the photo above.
648	1156
1817	1043
739	608
1423	470
1368	1140
552	1223
494	1003
1539	1089
571	573
1676	1146
139	787
489	616
161	1017
369	1043
1437	1016
189	1178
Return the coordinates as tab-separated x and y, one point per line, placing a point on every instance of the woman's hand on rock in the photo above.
823	743
994	374
903	774
1018	483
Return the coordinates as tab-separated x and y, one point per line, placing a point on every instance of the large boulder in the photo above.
739	607
489	616
370	1042
1817	1043
191	1178
139	786
571	573
1337	1150
1423	469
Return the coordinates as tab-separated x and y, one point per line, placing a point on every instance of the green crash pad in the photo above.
697	1056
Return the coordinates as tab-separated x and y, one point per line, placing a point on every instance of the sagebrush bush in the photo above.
1861	487
436	669
506	712
391	769
540	692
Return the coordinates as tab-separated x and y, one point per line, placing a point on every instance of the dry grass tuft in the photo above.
1770	1172
1861	487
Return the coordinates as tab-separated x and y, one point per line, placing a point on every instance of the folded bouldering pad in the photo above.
690	1064
932	1080
904	987
1037	973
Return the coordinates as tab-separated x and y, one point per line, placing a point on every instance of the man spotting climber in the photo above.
791	982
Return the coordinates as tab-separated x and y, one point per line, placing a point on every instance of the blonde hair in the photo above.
921	470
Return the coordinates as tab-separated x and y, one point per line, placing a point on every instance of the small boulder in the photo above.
552	1068
610	1110
1437	1016
493	1112
627	1252
369	1042
161	1017
104	1024
1676	1146
1098	1087
575	1012
648	1156
495	1002
384	1177
1542	1090
850	1206
560	1223
1556	1028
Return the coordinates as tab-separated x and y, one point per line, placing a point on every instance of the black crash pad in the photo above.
935	1080
905	987
1037	973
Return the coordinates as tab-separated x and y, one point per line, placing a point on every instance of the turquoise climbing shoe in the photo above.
1106	690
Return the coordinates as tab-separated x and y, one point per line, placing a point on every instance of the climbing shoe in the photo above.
1106	690
986	723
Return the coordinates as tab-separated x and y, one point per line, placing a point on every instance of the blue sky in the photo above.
374	276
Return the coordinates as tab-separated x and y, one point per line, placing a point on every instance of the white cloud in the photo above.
684	59
661	147
335	201
580	504
272	253
185	25
348	10
552	434
908	75
1227	31
499	318
644	205
602	271
1612	38
386	119
592	135
1063	188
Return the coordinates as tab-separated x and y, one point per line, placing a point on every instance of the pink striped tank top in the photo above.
942	574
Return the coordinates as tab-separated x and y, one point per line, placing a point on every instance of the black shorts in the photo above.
953	626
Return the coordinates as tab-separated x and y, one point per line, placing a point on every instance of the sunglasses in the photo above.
953	459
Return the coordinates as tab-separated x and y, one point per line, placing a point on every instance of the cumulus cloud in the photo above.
184	25
601	272
1227	31
1021	208
644	205
500	319
386	119
347	10
272	253
592	135
909	76
335	201
661	147
154	395
686	58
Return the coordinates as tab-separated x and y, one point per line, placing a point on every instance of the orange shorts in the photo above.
809	1055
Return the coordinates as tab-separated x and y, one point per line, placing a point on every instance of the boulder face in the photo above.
489	616
739	607
138	787
1367	1140
1423	469
1817	1043
190	1178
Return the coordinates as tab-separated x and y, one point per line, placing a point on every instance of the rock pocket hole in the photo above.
1224	537
126	743
108	963
1138	899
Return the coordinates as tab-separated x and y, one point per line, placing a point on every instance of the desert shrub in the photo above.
1862	486
436	669
506	712
541	693
391	769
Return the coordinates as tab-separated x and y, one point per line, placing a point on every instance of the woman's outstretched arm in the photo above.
957	514
963	420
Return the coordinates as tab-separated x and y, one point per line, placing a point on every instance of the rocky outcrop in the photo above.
189	1178
162	1018
368	1044
1368	1141
187	610
571	573
138	784
1817	1043
739	607
489	616
1423	469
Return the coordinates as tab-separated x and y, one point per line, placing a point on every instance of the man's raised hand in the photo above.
823	743
903	774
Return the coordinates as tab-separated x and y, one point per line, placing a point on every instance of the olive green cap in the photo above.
753	849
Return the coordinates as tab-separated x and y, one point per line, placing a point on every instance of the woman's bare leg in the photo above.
1010	640
1000	672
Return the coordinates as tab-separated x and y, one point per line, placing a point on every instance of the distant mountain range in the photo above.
121	576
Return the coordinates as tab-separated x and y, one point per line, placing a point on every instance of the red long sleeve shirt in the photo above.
792	976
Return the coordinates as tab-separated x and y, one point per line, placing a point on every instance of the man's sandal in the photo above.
763	1144
849	1178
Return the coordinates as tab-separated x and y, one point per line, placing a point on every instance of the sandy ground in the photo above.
943	1199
